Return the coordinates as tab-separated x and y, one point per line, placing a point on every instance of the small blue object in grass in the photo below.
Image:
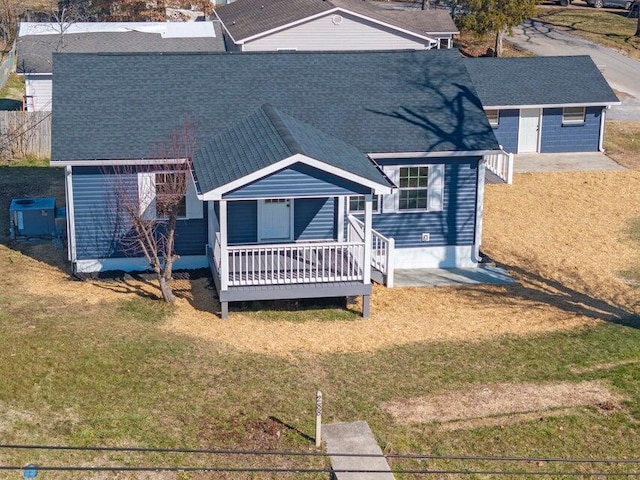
30	471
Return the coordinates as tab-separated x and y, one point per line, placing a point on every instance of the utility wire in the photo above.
285	453
322	470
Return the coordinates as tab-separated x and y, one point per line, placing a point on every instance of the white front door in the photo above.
275	220
529	130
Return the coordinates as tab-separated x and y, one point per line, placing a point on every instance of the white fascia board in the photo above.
329	12
217	193
225	28
288	25
119	162
446	154
388	25
550	105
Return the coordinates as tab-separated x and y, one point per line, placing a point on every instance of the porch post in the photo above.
340	225
368	211
224	257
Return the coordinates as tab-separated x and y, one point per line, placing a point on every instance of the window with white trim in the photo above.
356	204
158	190
420	188
573	115
493	116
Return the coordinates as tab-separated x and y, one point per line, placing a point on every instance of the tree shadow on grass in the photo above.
534	287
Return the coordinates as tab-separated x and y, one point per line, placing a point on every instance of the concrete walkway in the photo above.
438	277
563	162
356	438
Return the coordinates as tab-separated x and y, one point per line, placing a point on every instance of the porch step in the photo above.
355	438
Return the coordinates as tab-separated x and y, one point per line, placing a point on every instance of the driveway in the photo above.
621	72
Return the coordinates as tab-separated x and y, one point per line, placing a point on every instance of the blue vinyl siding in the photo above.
557	138
314	219
454	225
507	130
98	229
298	180
242	221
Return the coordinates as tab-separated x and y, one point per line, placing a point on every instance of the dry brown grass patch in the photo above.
564	237
496	404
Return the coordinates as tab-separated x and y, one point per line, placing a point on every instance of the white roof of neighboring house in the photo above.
165	29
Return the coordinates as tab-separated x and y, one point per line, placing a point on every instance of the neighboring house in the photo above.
37	41
258	25
298	158
543	104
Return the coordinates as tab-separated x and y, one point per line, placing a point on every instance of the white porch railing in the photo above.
381	248
501	164
293	263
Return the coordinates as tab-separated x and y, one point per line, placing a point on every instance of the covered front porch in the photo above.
277	215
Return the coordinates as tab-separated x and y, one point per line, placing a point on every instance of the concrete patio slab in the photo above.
563	162
355	438
439	277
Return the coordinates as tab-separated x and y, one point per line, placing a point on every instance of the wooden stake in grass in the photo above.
318	418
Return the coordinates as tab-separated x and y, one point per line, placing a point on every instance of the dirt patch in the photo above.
563	236
495	404
602	366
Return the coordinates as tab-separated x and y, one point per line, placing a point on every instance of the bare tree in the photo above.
10	12
145	218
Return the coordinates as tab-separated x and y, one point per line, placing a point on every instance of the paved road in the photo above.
622	72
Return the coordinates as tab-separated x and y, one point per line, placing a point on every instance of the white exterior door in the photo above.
275	220
529	130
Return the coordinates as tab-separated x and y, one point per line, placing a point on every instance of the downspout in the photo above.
602	119
479	211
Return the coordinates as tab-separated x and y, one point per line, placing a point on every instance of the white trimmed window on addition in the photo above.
573	115
493	116
157	191
356	204
170	193
420	188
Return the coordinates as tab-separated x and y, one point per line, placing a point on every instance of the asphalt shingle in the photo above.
268	136
34	52
565	80
121	106
247	18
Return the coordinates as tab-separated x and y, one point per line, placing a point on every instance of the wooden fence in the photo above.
25	133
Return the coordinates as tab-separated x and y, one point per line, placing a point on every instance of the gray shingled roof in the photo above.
34	51
268	136
246	18
406	101
539	81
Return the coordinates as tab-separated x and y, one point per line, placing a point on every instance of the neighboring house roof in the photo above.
244	19
37	42
267	137
401	101
539	81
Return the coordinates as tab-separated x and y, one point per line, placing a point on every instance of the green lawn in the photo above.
108	372
609	28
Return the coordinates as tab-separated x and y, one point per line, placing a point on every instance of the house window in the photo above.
573	115
171	190
443	43
356	204
413	186
493	116
420	188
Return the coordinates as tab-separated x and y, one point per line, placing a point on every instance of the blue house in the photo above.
543	104
315	173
